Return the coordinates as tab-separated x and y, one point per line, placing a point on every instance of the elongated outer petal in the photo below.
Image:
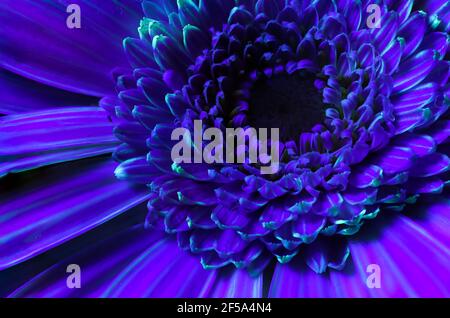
36	139
58	204
236	284
394	254
21	95
100	262
37	43
162	270
138	262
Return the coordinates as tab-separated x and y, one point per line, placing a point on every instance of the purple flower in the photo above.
364	126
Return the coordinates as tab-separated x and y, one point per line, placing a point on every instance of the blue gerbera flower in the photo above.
364	126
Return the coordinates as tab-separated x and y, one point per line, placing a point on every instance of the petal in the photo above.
392	56
136	170
425	185
307	227
421	145
402	7
100	262
195	40
427	261
431	7
413	71
139	53
394	159
412	31
360	196
21	95
327	253
431	165
57	204
440	131
237	284
414	99
36	139
353	14
77	60
365	176
124	259
438	41
274	215
299	281
409	121
383	36
163	270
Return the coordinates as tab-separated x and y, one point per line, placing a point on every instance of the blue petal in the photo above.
14	99
42	138
412	31
51	205
77	60
413	71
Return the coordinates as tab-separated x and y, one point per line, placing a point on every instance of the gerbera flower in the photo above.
363	118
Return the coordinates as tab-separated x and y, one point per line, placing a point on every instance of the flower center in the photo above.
289	102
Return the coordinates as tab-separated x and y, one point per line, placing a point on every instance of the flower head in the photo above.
361	101
361	113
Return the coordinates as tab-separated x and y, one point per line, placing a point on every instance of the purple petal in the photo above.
412	32
237	284
136	170
392	56
163	270
402	7
409	121
230	219
353	15
360	196
440	131
36	139
431	7
77	60
383	36
50	205
438	41
394	159
421	145
427	262
431	165
365	176
100	263
413	71
414	99
307	227
15	99
274	215
425	185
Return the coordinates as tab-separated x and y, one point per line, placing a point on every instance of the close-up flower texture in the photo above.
87	177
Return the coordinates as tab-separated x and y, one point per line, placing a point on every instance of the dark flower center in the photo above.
289	102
